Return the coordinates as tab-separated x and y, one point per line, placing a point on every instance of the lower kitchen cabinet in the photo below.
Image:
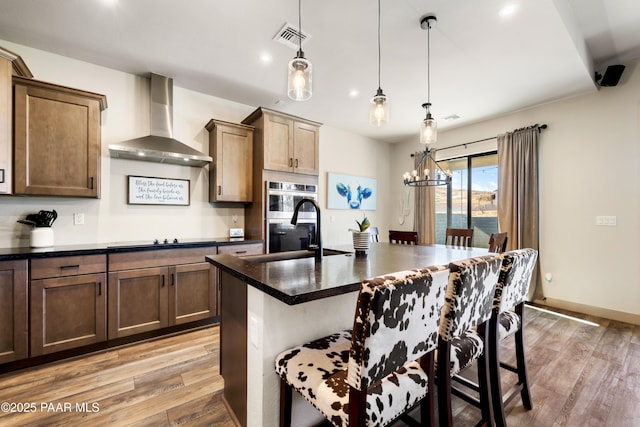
13	311
68	303
155	289
193	293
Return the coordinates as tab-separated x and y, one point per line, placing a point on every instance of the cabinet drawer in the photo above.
158	258
241	250
43	268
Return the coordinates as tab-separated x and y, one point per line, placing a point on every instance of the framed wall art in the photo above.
145	190
351	192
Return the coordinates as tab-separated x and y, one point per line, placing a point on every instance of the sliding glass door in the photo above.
471	200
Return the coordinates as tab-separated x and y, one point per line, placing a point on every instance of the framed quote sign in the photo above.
145	190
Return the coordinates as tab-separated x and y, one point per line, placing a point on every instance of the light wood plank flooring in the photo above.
581	375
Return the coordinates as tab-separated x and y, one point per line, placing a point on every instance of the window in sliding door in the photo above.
459	207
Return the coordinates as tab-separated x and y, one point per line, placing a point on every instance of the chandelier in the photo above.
423	177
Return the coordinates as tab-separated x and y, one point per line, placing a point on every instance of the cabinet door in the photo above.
67	312
13	310
138	301
57	143
305	148
192	293
278	143
5	125
231	175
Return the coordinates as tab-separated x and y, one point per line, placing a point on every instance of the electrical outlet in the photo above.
608	221
78	219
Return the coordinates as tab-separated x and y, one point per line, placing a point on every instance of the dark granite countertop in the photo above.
7	254
296	281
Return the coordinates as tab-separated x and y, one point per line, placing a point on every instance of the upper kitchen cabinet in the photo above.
10	65
231	172
56	140
285	143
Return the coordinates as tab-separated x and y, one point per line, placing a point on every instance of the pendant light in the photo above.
299	76
379	110
429	127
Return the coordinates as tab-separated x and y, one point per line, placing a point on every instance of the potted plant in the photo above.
361	237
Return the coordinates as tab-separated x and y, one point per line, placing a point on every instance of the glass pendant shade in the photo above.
428	131
379	110
299	85
428	128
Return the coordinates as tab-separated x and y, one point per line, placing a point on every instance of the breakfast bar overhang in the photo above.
271	304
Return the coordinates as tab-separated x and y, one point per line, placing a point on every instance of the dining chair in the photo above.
459	237
464	333
374	233
498	242
512	291
403	237
384	366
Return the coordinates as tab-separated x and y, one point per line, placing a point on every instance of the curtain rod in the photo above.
543	126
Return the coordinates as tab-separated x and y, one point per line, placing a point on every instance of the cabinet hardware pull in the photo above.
296	163
290	161
219	190
99	288
91	183
1	176
241	252
163	280
173	281
66	267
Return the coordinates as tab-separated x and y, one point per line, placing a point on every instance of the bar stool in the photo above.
385	367
507	320
464	333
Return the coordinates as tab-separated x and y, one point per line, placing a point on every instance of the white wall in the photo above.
589	164
110	219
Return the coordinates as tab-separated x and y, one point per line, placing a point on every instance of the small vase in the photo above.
361	242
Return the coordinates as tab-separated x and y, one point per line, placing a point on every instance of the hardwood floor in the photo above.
581	374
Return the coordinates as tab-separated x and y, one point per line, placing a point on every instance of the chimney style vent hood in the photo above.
160	147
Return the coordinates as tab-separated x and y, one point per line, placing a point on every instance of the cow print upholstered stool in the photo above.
384	367
512	291
464	333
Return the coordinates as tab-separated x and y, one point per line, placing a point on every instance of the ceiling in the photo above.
482	64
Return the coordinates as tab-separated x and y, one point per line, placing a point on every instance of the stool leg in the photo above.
486	403
444	383
493	352
521	362
286	397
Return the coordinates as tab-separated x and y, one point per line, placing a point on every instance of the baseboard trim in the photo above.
606	313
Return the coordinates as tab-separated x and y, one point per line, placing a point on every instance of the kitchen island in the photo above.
269	305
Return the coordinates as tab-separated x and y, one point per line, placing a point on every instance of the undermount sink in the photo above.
282	256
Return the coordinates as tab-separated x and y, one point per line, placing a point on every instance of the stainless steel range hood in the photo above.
160	147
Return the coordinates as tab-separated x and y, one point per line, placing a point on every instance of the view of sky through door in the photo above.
475	209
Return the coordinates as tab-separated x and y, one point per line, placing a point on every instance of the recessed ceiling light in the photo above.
110	2
353	93
265	58
508	10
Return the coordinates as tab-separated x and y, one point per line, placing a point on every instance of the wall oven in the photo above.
281	200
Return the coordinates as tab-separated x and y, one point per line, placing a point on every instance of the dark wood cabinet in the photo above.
68	303
13	311
138	301
151	290
56	140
